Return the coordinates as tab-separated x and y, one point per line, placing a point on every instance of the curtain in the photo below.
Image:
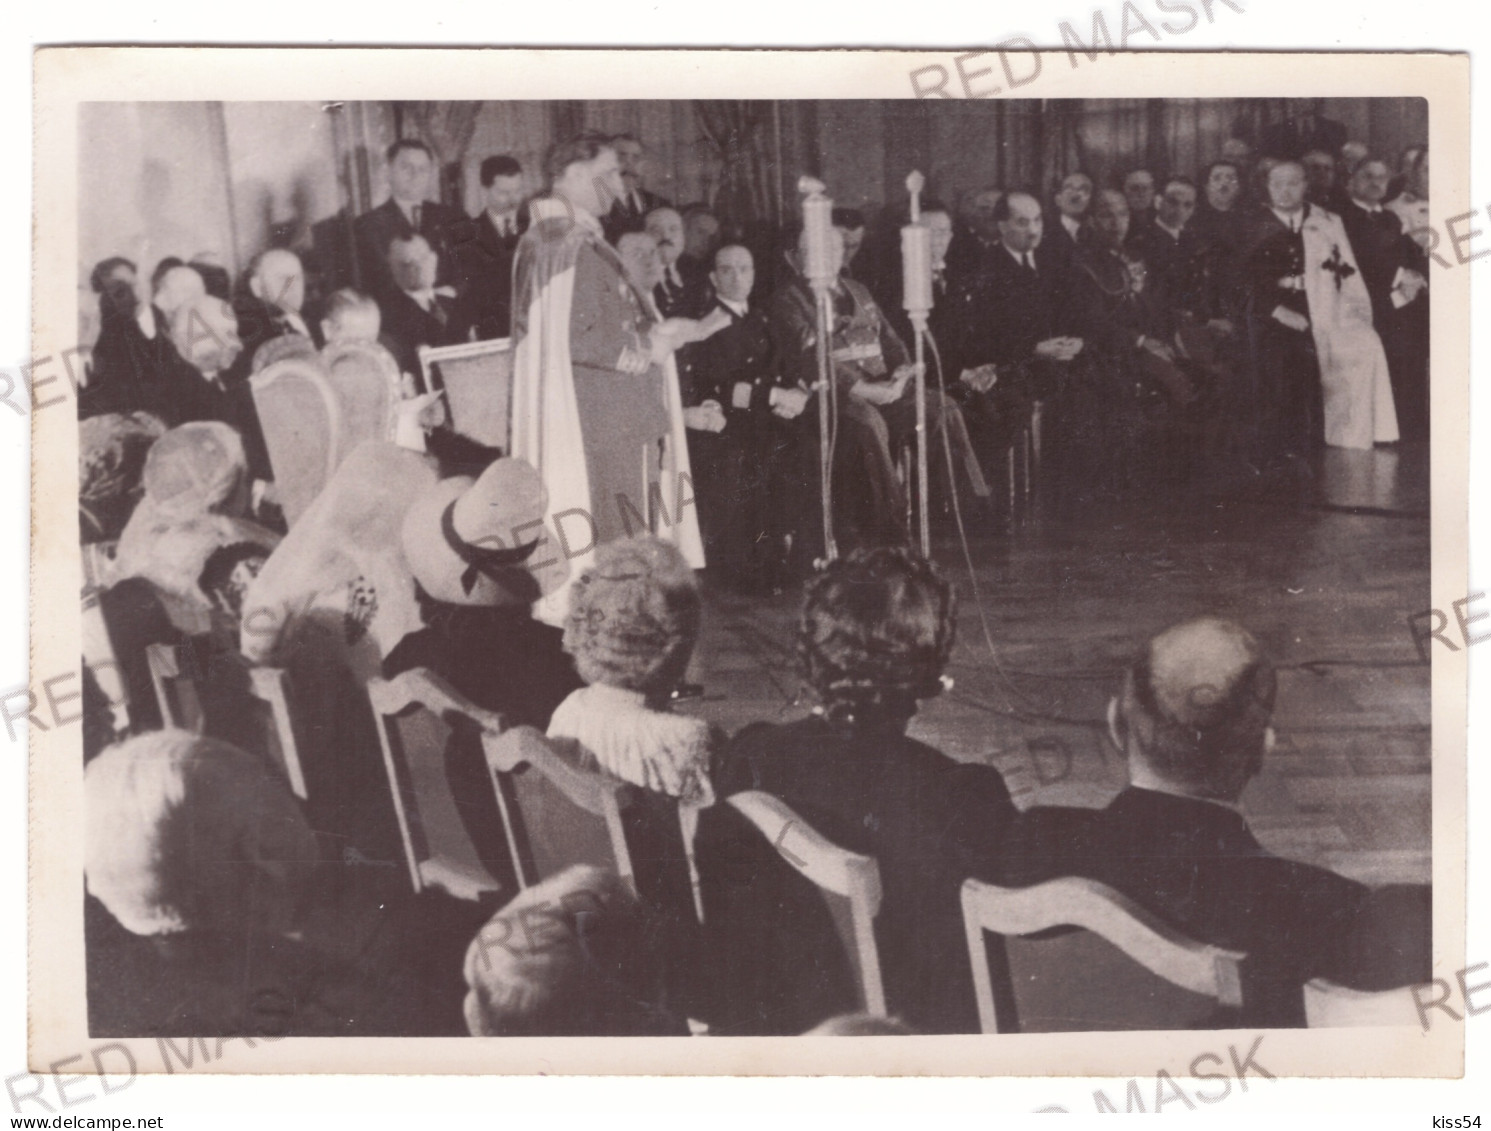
447	128
741	139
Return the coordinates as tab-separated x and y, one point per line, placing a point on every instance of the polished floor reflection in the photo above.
1325	571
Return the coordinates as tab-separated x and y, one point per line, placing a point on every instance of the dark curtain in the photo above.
741	136
447	128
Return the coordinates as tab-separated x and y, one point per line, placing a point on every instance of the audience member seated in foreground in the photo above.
477	571
1193	720
633	623
573	956
875	636
203	860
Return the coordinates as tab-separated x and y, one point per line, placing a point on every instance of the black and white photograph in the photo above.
761	567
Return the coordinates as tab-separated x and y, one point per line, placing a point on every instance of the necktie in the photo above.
1029	263
414	217
438	311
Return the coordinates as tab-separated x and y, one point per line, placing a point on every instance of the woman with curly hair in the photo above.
876	632
633	623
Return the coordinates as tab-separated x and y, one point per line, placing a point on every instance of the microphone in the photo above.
916	258
817	222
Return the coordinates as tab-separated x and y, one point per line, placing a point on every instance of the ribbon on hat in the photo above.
480	562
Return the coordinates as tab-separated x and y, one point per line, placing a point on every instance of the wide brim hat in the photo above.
485	541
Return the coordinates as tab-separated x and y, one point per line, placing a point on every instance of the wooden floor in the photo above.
1325	575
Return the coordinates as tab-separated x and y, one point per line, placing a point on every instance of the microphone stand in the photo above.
817	219
916	300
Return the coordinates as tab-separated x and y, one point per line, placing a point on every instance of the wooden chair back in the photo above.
849	882
417	713
301	421
1331	1006
1120	969
175	674
477	378
365	380
271	686
555	813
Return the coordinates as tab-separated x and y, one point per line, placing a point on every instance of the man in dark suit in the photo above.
1167	245
1059	246
1395	270
1305	129
1193	720
1139	191
481	248
683	291
761	455
417	313
406	212
629	213
1016	316
975	239
1287	367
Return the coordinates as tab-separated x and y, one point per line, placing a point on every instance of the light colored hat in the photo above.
186	832
484	541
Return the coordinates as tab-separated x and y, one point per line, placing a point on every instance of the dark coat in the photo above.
408	326
129	372
925	818
376	229
1197	866
482	267
1294	137
625	217
1001	314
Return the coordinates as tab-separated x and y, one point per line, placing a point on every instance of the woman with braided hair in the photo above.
876	632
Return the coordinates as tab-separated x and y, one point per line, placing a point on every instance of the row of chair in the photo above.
1065	938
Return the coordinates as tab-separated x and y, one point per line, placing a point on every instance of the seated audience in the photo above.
683	290
632	626
1321	188
875	635
701	238
214	275
477	571
200	871
573	956
196	496
415	311
176	286
629	212
850	223
1139	191
134	367
1395	271
1193	720
1168	246
198	848
742	474
351	316
975	234
271	306
111	465
1016	316
405	214
1072	198
482	248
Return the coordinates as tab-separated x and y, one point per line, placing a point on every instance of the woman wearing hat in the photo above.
480	558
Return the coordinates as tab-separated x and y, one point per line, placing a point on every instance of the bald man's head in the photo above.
1196	707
